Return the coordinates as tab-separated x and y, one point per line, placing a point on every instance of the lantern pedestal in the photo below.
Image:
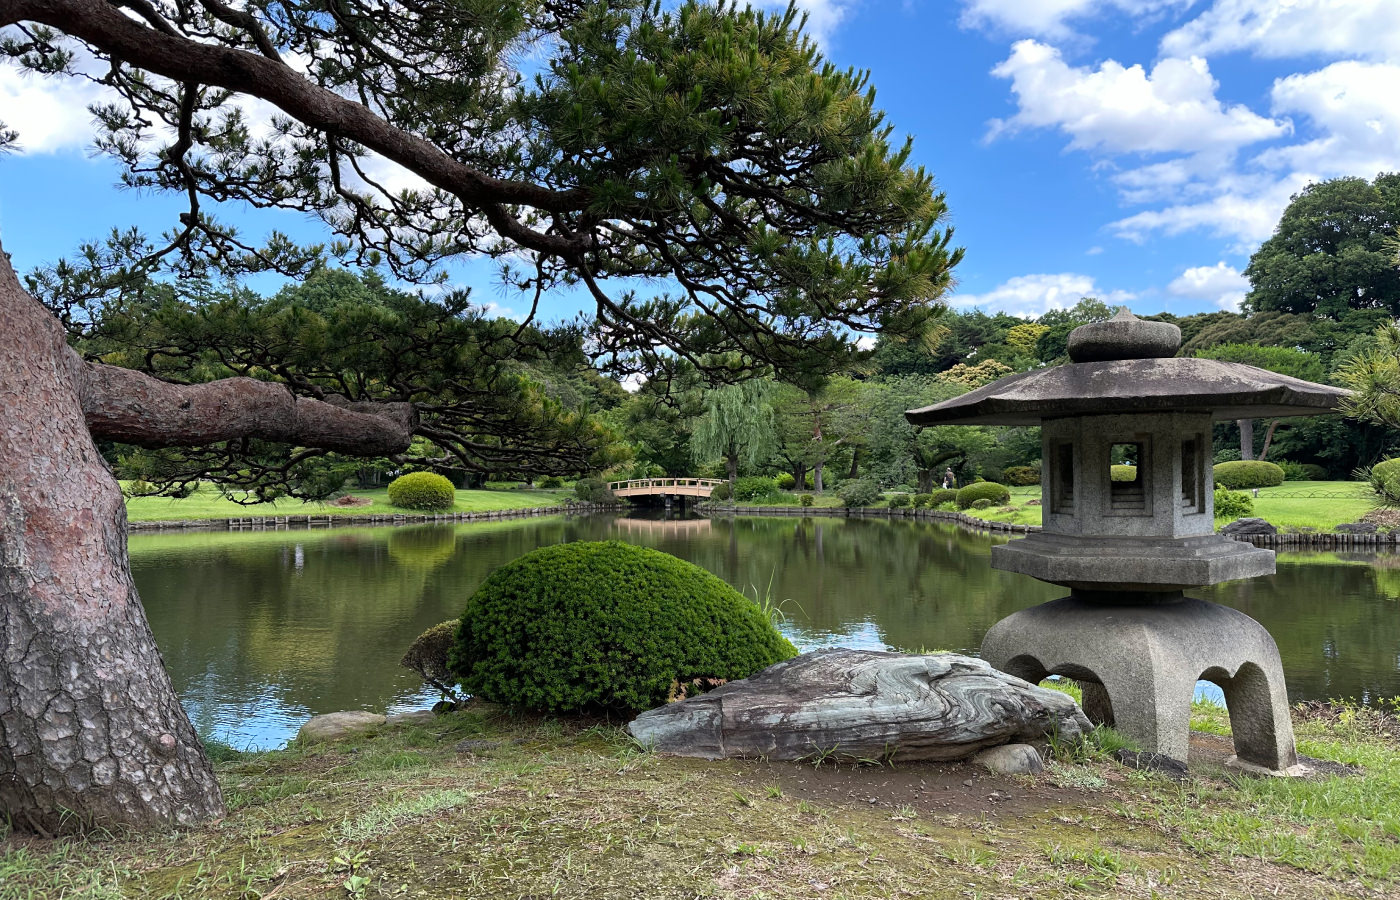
1139	657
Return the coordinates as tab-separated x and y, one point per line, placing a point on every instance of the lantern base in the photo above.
1139	663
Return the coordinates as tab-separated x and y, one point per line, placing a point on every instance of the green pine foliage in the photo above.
606	626
593	490
422	491
1245	474
982	490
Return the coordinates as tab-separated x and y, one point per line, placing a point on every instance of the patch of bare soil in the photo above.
349	501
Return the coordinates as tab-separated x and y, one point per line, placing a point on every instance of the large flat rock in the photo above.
862	704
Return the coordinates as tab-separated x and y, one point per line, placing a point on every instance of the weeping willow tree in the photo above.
737	426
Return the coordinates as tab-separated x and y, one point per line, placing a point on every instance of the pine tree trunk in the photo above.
817	476
925	481
855	463
91	730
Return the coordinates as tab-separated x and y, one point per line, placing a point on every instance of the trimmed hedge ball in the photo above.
1385	481
592	626
422	490
942	496
1243	474
1022	475
983	490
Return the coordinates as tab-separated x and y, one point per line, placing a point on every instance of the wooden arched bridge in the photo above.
665	487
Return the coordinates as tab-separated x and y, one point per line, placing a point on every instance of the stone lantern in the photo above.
1127	547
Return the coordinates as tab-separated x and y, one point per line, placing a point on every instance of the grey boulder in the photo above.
337	725
1241	527
861	704
1011	759
1358	528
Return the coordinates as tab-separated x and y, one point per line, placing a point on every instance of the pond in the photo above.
261	630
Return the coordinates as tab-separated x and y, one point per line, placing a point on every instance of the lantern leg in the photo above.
1139	663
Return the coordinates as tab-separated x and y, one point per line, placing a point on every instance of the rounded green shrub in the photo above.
606	626
982	490
1022	475
899	501
594	490
1244	474
859	492
422	490
1232	504
551	481
1315	472
922	500
720	491
982	503
785	481
755	487
1122	473
428	656
808	500
1385	481
942	496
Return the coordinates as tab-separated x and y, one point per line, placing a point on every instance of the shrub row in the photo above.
1245	474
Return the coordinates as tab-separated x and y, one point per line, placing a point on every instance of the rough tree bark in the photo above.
91	730
1246	438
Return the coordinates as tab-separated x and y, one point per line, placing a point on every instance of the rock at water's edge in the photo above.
337	725
865	705
1248	526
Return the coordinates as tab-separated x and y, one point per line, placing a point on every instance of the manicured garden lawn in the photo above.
208	504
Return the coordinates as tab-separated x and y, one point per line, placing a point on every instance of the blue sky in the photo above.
1135	150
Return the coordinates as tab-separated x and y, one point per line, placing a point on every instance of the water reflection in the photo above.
261	630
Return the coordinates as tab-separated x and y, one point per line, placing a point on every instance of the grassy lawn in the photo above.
207	503
483	804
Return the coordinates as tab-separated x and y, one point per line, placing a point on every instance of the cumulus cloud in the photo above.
1221	284
1285	28
1032	295
1051	18
50	114
1126	109
1354	107
1240	209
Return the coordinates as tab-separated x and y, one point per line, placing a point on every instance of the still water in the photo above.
261	630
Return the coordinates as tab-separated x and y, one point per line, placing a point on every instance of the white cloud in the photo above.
1240	209
1354	106
50	113
1032	295
1118	109
1221	284
1051	18
1284	28
822	15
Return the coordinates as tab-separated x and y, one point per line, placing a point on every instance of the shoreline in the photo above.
310	521
1312	540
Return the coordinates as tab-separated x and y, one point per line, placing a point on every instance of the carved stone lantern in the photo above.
1128	524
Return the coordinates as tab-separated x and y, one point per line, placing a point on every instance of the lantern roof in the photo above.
1126	365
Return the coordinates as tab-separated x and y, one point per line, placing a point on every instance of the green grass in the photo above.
207	503
574	809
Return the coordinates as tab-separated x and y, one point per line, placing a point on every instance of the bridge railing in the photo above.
659	485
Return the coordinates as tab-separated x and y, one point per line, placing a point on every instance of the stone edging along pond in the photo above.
262	523
1324	540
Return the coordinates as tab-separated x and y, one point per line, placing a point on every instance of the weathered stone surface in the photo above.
1139	663
861	704
1357	528
337	725
1011	759
1241	527
1124	336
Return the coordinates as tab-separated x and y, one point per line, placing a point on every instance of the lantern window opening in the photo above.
1128	498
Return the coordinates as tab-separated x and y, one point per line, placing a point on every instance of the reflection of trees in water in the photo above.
246	618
